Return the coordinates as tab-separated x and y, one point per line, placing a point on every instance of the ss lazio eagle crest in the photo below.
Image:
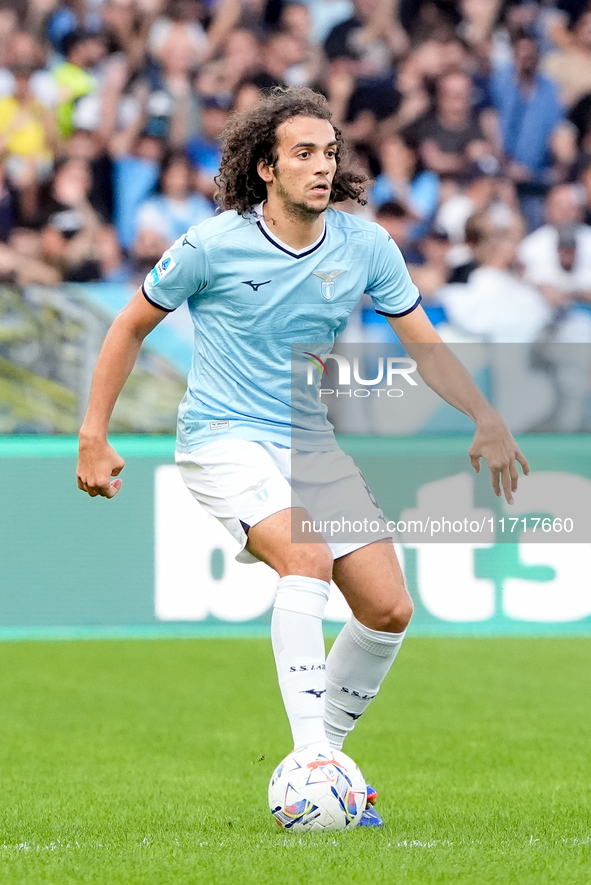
328	286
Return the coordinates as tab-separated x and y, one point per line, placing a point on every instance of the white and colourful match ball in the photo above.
312	792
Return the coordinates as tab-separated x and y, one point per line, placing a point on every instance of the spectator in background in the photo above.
28	136
361	106
84	144
168	214
296	21
109	105
570	65
359	80
449	137
538	252
74	239
55	19
9	25
135	174
495	305
430	270
248	91
136	153
395	217
326	15
24	52
568	291
416	78
557	259
482	187
167	72
177	37
20	254
345	39
126	26
580	117
478	20
238	59
401	179
478	227
76	77
179	49
423	19
372	36
204	150
9	208
283	54
584	184
530	113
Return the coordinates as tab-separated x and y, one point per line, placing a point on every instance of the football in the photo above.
312	792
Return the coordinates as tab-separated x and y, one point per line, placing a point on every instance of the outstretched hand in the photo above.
494	442
97	463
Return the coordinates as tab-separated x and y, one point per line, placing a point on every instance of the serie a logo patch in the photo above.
165	264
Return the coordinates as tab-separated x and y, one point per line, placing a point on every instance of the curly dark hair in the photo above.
251	136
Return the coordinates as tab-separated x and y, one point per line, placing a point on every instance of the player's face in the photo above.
301	178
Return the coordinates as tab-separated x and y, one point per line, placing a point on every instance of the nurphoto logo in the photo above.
389	370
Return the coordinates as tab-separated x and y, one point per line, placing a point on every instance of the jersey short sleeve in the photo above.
389	284
182	271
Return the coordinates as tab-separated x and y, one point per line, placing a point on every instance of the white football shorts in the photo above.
241	482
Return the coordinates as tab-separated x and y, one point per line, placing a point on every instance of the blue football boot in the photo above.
370	817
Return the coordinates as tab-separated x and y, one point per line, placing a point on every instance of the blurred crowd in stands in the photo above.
472	117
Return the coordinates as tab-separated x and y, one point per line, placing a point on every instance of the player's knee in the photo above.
405	613
309	560
319	561
395	618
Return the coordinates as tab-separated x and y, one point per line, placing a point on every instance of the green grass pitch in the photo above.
147	762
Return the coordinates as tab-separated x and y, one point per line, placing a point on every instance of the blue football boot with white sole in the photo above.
370	817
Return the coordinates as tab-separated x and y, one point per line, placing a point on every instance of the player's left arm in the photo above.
446	375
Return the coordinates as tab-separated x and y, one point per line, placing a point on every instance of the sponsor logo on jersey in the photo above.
315	691
218	425
165	264
187	242
255	286
328	284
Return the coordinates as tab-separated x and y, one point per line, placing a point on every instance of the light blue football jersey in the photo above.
252	299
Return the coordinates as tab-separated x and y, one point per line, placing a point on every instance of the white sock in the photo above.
298	646
356	667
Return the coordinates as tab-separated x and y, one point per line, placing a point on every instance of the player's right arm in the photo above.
98	462
395	296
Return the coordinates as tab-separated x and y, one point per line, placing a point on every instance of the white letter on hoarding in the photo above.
567	597
186	536
446	581
447	585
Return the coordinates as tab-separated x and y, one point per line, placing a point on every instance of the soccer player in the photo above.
282	267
